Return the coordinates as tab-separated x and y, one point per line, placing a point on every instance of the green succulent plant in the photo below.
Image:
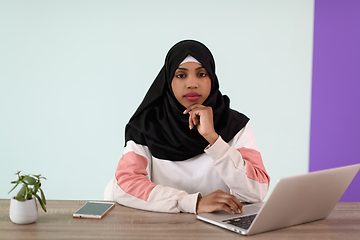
31	185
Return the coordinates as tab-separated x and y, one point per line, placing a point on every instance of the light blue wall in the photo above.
73	72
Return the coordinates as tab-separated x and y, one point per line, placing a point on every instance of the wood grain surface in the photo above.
127	223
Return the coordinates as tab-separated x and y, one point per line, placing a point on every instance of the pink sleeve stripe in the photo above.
131	176
255	169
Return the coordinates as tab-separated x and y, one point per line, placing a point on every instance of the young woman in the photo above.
186	150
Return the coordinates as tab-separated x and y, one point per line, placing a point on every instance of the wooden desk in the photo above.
127	223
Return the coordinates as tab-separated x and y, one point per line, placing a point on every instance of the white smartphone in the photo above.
95	210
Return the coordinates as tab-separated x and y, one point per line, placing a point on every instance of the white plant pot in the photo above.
23	212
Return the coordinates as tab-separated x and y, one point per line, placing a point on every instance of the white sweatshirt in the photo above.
145	182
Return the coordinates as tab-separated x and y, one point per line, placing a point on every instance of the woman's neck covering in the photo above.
159	122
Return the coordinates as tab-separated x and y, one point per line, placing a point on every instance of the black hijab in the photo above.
159	122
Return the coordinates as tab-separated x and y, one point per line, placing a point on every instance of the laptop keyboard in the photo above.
242	222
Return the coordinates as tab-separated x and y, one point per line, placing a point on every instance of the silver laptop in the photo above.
294	200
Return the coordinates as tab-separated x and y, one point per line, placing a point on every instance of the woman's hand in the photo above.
202	117
219	200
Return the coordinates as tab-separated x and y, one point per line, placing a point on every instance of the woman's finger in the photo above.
232	204
189	109
192	107
225	207
193	119
238	203
230	200
219	200
191	123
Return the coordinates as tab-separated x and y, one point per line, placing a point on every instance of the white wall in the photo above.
73	72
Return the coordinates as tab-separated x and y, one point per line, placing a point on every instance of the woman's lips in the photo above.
192	96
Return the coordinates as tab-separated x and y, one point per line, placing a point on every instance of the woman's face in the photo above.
191	84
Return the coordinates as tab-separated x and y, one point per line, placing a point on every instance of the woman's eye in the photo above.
180	75
202	74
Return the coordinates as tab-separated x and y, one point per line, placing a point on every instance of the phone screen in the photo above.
93	210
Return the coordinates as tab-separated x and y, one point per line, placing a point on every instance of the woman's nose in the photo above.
192	82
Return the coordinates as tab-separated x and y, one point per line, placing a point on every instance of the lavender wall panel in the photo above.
335	114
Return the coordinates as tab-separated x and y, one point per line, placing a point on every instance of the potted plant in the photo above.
23	207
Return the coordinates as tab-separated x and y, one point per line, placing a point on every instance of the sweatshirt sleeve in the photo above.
132	185
240	166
